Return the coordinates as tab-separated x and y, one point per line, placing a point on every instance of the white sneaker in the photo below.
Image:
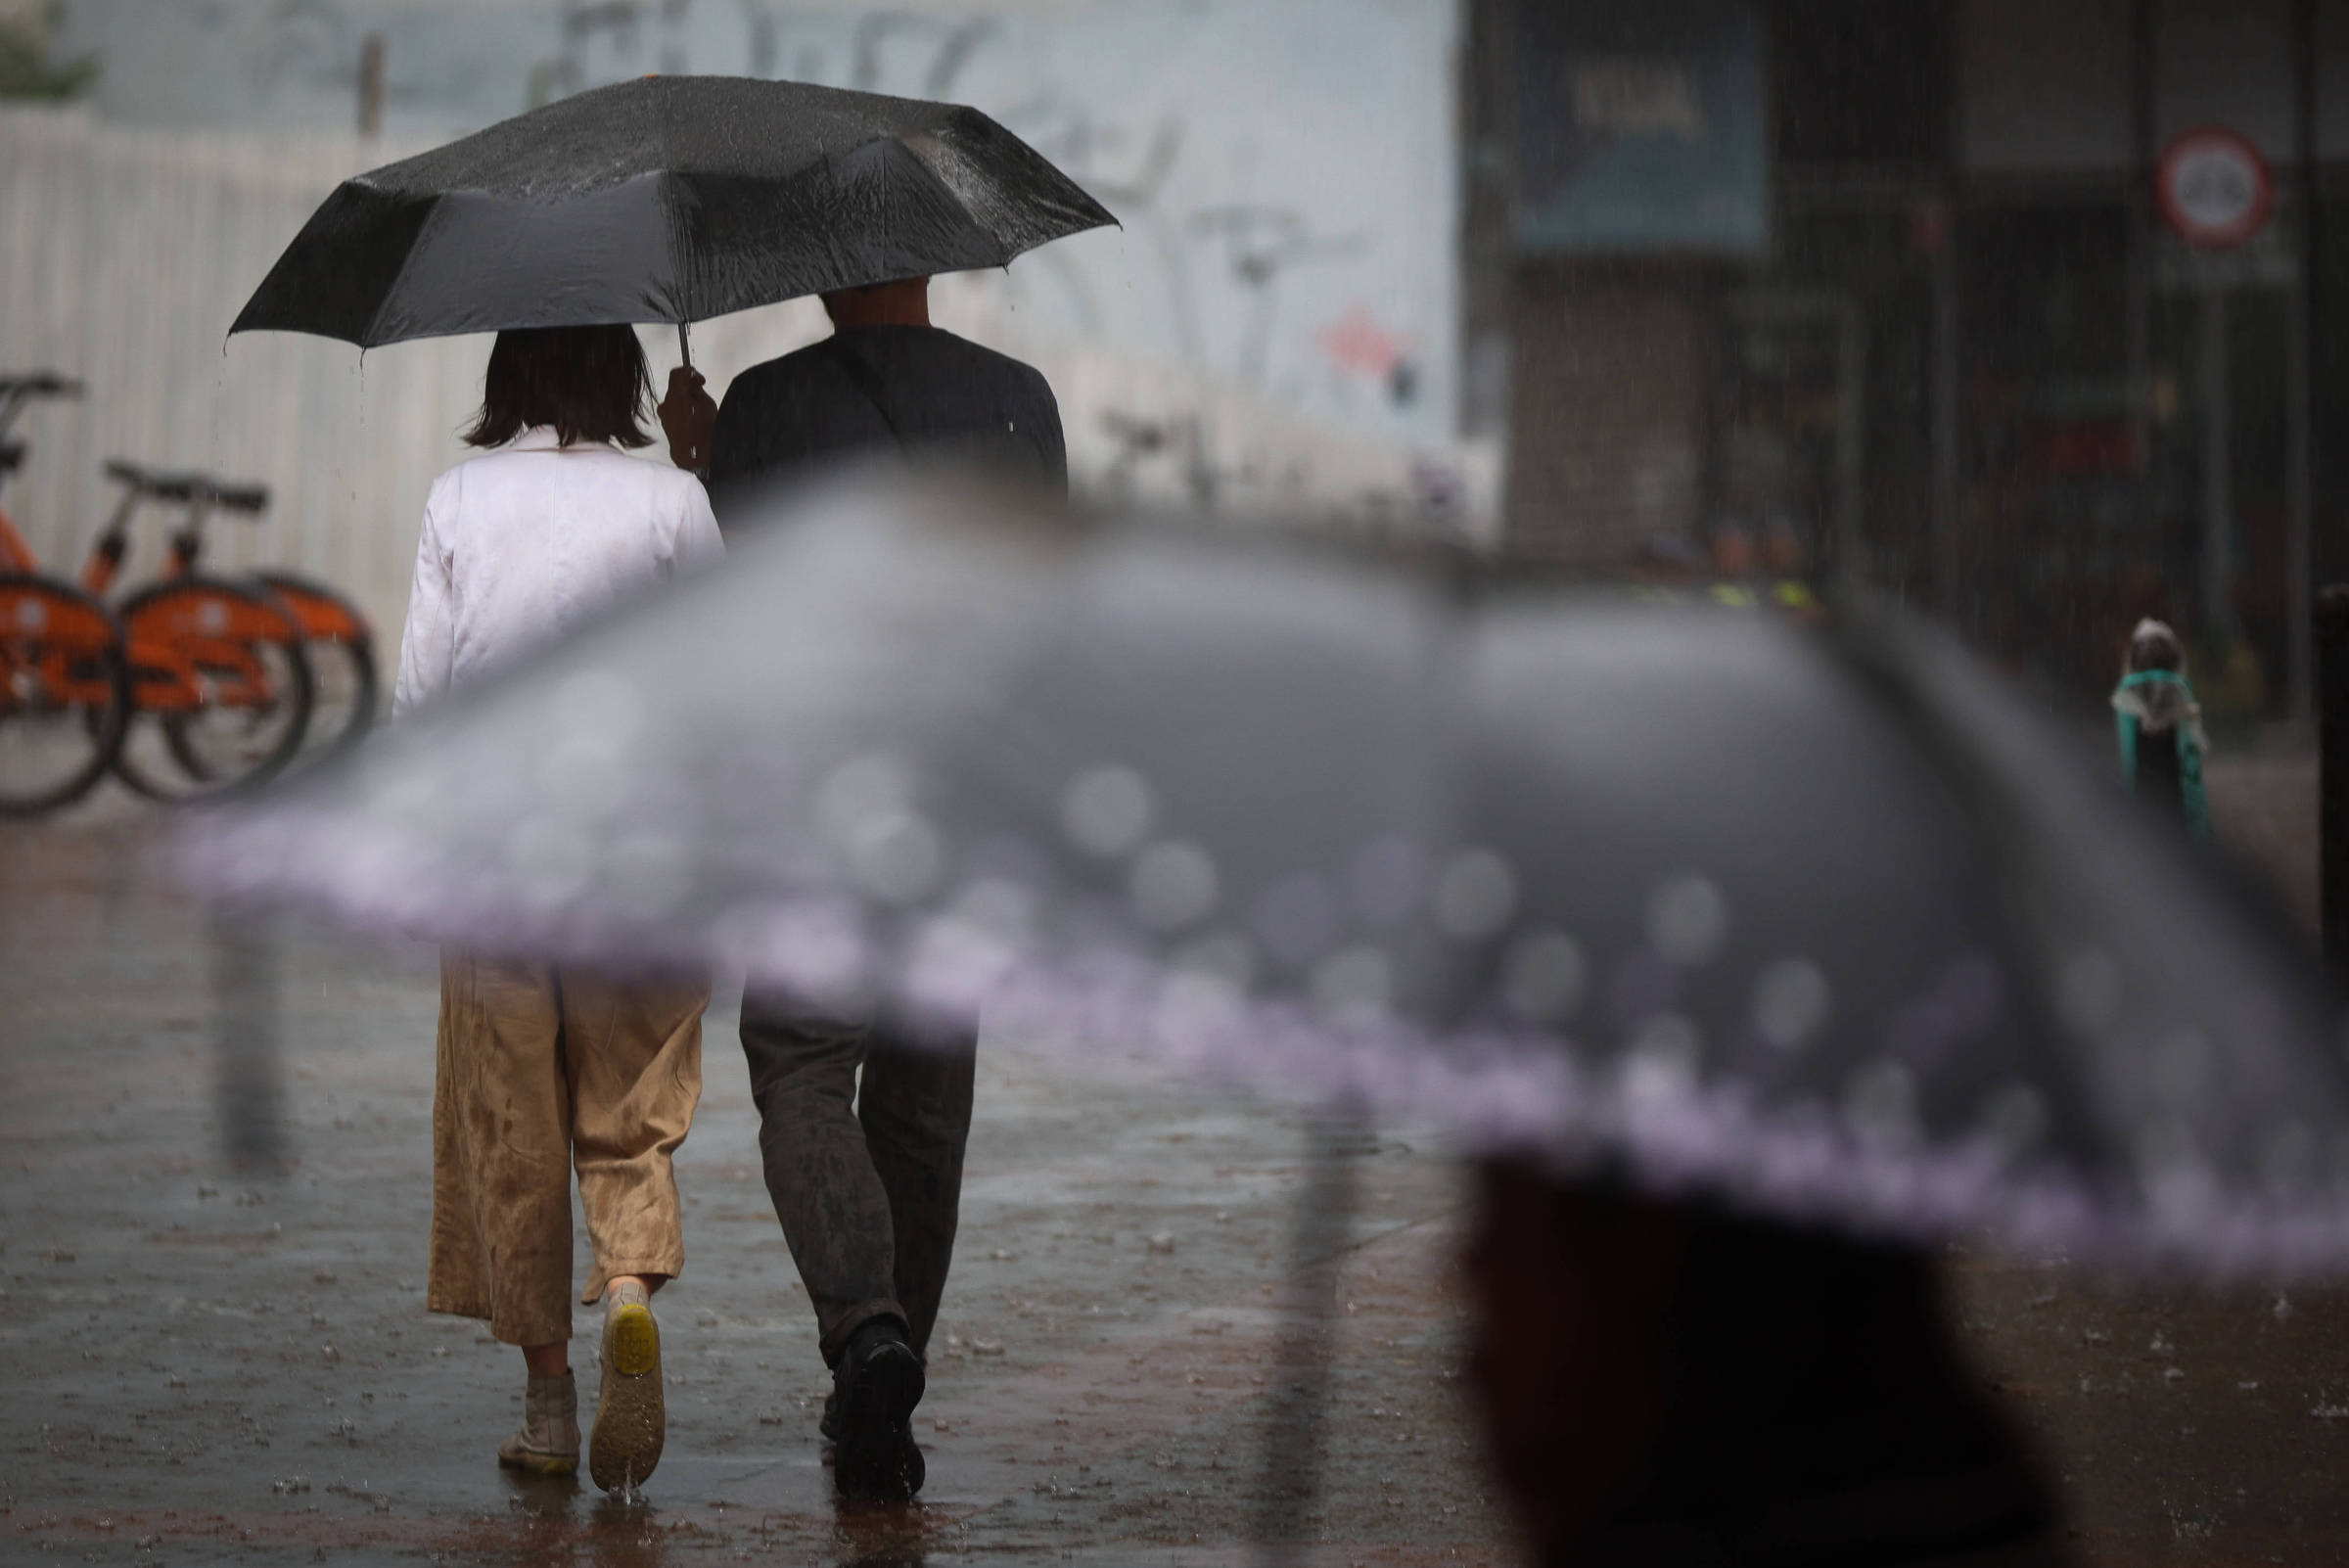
548	1443
630	1421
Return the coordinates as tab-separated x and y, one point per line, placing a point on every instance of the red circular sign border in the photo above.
2262	207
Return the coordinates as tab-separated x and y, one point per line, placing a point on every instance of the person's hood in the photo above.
2160	706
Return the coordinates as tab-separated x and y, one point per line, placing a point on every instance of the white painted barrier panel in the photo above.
126	252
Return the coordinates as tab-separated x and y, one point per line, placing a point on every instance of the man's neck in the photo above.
884	307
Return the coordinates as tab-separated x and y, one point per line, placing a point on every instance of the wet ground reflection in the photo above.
562	1524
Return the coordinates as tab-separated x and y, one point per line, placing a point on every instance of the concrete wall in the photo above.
1284	169
126	251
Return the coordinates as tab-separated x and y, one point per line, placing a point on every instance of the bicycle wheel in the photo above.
220	689
343	687
65	695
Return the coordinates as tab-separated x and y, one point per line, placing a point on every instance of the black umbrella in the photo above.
1819	917
668	198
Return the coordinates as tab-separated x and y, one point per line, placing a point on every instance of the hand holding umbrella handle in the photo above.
689	418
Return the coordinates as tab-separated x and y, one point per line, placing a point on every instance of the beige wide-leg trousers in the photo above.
540	1071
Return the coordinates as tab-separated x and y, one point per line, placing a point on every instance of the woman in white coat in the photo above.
541	1070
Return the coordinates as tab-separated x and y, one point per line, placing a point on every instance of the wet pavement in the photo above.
212	1215
213	1209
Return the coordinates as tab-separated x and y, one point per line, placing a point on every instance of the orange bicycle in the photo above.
65	685
220	678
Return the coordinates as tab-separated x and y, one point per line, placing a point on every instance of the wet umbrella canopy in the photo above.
1817	918
669	198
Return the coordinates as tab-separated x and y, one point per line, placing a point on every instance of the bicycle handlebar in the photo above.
18	391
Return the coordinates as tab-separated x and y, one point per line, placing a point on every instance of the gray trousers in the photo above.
867	1179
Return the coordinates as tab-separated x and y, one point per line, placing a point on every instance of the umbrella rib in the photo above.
370	336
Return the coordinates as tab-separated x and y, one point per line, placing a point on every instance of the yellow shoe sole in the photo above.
539	1464
630	1419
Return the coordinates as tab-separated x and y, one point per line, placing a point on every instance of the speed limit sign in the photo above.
2214	188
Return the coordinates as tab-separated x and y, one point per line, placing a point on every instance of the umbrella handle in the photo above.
684	346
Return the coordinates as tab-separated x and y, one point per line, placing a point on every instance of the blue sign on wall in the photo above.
1640	127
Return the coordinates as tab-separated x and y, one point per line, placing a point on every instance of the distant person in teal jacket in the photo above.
2160	726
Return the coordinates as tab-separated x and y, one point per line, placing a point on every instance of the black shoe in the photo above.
874	1390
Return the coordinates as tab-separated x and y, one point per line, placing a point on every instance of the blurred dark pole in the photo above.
1948	369
1947	390
2300	414
245	1006
2330	632
1297	1416
2144	234
2216	398
371	85
2333	771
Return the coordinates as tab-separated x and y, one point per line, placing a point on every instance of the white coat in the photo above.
522	544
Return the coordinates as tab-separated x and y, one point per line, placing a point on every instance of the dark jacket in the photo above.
874	389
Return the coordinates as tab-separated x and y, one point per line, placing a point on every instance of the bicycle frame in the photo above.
14	554
186	650
57	644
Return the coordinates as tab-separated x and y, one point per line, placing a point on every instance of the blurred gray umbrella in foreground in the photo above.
1821	919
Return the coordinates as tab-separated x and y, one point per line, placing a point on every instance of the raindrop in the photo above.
957	963
1879	1102
1662	1059
860	789
1195	1006
1388	881
1353	987
1544	977
1172	885
898	855
1476	896
2016	1118
1791	1002
1000	906
1106	810
2088	992
2171	1168
1687	920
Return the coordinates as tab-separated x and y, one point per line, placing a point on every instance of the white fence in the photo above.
124	254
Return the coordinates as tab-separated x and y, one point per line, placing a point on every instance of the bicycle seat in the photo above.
39	384
154	482
233	497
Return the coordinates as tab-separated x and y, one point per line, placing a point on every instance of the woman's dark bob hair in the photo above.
589	383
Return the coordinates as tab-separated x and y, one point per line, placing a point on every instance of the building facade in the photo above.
1937	324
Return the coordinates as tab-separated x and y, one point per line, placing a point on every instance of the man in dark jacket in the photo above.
885	381
868	1180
